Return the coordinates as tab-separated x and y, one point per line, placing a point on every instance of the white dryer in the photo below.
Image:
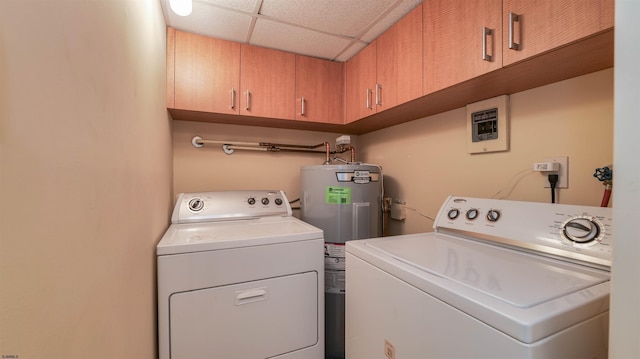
497	279
240	277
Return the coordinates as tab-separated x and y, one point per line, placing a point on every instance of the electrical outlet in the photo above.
398	211
563	173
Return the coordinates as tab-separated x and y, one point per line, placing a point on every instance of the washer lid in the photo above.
512	277
208	236
524	295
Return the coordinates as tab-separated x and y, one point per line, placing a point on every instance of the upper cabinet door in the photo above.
462	40
533	27
360	84
399	62
267	83
319	90
207	73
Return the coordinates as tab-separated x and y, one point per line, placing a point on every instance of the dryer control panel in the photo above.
229	205
579	233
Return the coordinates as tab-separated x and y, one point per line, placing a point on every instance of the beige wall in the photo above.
426	160
85	171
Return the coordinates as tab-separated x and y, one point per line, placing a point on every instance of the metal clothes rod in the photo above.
229	146
198	141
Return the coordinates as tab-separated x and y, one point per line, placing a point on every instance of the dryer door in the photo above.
257	319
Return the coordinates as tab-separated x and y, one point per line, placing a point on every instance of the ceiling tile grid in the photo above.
394	15
299	40
339	17
330	29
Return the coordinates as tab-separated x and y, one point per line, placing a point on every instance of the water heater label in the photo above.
334	256
361	177
334	266
334	281
338	195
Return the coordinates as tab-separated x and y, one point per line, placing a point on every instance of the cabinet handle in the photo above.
302	106
513	18
486	32
233	98
378	93
368	100
248	100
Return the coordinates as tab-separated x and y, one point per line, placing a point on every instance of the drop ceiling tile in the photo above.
351	51
346	18
242	5
394	16
213	21
302	41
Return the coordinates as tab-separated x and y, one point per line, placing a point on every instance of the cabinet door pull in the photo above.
486	32
368	100
248	100
302	106
233	98
378	93
513	18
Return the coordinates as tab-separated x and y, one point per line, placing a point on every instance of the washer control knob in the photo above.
493	215
278	201
251	201
581	229
196	204
265	201
472	214
453	213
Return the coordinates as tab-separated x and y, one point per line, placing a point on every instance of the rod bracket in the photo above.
227	150
195	141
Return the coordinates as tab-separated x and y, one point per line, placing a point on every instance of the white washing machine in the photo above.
239	277
497	279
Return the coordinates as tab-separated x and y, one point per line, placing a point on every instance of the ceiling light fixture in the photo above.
181	7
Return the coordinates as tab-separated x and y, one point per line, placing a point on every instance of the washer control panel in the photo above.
229	205
582	233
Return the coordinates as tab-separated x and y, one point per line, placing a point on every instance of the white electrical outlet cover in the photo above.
563	174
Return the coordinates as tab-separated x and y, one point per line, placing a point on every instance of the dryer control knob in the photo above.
472	214
278	201
453	213
251	201
493	215
265	201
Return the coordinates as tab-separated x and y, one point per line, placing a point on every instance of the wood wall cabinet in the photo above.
267	82
206	73
462	40
209	78
535	27
399	61
379	87
388	72
360	83
319	90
